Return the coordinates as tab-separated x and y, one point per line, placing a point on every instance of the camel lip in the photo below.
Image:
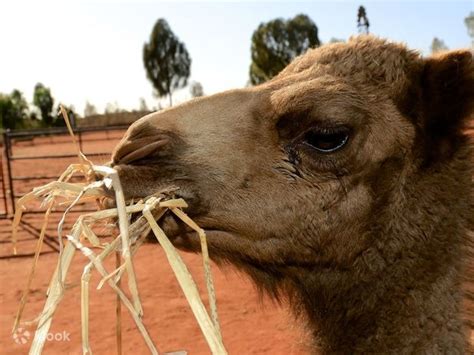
174	227
190	242
184	237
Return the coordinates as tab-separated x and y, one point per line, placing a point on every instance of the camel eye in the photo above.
326	140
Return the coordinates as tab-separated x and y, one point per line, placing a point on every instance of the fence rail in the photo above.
11	194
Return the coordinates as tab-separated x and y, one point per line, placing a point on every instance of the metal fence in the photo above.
3	191
12	183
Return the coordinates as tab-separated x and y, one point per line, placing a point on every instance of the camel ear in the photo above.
448	93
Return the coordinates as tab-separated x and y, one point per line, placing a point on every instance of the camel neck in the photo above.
401	292
387	315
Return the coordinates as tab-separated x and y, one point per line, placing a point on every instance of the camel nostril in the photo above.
135	150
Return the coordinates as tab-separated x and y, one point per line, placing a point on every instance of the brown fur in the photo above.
368	243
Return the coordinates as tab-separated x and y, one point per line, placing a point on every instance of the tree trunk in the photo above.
171	100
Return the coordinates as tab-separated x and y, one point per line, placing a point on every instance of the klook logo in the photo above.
22	336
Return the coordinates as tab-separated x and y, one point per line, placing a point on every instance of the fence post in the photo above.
4	191
8	151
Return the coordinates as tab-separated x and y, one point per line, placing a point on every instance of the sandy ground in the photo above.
250	325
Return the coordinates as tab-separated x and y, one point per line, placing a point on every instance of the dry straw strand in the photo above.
124	246
188	286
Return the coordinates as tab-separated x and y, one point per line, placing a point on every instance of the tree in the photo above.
20	107
89	109
438	45
143	105
13	110
34	115
276	43
59	119
7	118
19	103
469	21
44	101
196	89
167	62
112	107
362	20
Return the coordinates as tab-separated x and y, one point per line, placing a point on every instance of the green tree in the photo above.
59	119
196	89
21	106
276	43
167	62
44	101
362	20
89	109
13	110
143	105
7	112
112	107
469	21
438	45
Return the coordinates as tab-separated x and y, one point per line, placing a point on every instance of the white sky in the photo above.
92	51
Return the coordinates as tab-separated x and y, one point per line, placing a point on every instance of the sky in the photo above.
92	51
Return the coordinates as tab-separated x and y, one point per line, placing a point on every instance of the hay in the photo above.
100	182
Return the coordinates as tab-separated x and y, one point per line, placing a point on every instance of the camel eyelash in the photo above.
326	140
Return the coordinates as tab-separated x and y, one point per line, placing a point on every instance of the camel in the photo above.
342	185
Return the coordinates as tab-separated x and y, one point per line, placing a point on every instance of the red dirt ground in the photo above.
249	325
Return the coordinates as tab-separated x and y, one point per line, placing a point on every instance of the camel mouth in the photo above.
172	226
187	239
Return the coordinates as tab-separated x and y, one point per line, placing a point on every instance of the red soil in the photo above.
249	325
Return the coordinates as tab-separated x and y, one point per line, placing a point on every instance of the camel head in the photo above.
342	183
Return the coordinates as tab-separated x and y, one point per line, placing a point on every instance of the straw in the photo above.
123	246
